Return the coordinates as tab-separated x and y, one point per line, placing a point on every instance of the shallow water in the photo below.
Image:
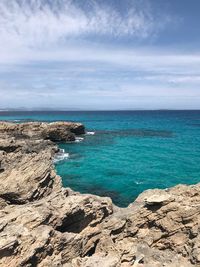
130	151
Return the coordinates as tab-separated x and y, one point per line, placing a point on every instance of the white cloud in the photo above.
68	30
174	78
35	32
27	25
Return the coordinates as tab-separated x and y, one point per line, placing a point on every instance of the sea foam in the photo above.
61	155
90	133
79	139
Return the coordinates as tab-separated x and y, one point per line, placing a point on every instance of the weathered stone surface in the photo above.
43	224
160	197
26	158
55	131
27	170
52	225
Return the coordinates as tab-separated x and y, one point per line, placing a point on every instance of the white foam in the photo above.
90	133
79	139
15	120
137	182
61	155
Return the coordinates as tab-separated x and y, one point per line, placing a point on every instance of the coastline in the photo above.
44	224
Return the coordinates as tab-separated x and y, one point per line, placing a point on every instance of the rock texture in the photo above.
43	224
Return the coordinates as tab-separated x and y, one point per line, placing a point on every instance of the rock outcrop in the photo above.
43	224
55	131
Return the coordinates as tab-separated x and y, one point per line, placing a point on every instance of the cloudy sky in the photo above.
100	54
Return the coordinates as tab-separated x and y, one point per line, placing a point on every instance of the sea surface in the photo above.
126	152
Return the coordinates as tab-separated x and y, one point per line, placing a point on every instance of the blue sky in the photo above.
100	54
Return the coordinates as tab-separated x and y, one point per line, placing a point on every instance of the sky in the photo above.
99	54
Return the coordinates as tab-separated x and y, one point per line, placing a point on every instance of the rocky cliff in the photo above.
43	224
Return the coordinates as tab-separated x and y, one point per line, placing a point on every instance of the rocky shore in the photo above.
43	224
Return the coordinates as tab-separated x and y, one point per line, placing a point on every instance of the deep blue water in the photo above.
131	151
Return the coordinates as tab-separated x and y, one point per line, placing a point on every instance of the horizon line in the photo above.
90	110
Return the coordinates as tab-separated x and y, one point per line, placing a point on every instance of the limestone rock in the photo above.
155	197
55	131
96	260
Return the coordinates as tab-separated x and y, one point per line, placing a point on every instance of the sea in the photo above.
124	153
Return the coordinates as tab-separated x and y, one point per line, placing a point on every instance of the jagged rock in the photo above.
28	174
26	165
76	128
97	261
55	131
43	224
50	225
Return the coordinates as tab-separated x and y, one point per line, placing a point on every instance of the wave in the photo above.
60	156
137	182
79	139
21	120
90	133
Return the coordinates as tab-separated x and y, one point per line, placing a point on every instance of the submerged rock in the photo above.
43	224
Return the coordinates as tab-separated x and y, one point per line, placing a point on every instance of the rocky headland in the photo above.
43	224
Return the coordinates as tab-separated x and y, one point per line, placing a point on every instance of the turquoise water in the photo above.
130	151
